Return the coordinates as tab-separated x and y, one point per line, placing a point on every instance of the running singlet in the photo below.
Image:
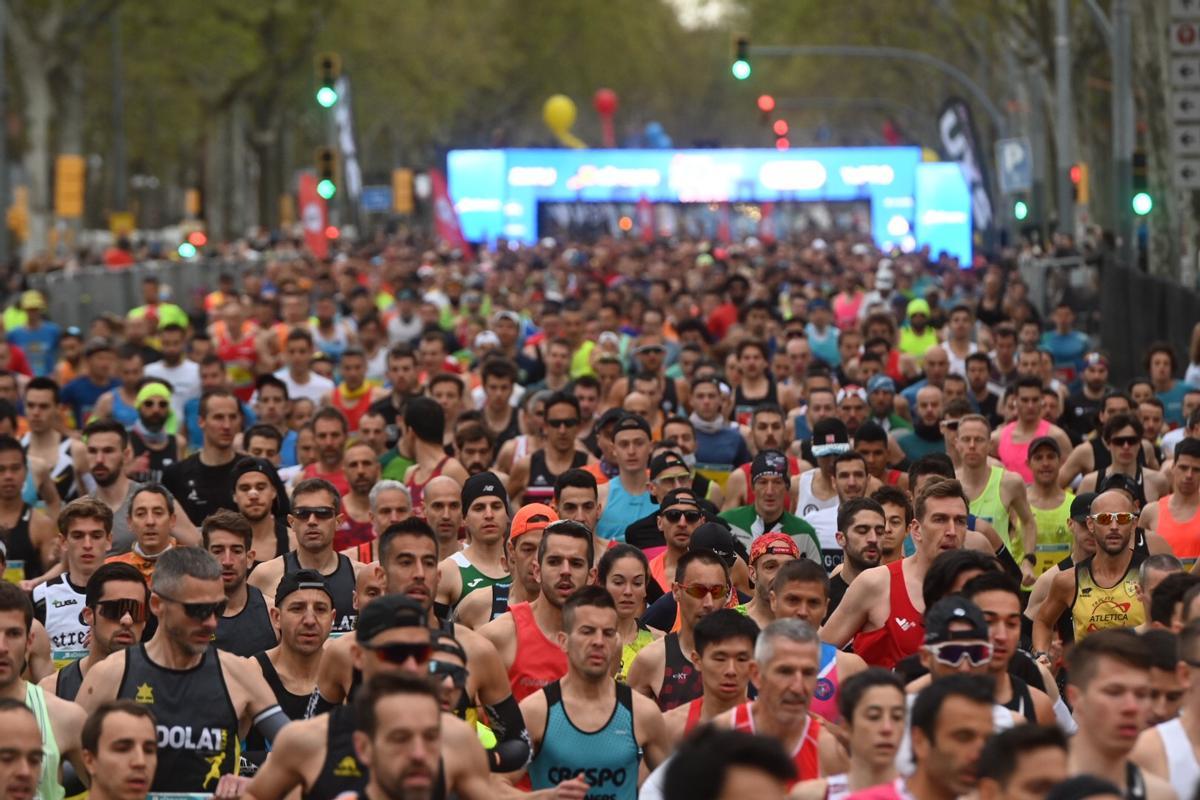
352	532
608	758
989	507
341	771
48	787
239	357
743	406
341	586
681	680
353	406
63	471
1182	535
622	509
1138	482
1099	607
58	605
1054	536
825	696
540	488
20	547
294	705
902	634
630	651
538	661
805	755
416	491
197	724
806	501
472	577
1183	770
248	632
70	678
1014	455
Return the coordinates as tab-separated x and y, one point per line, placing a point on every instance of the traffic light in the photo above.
326	172
780	127
1080	190
766	104
329	69
1020	210
1141	201
741	57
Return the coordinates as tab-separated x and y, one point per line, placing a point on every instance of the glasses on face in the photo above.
116	610
454	672
320	512
1105	518
950	424
562	423
155	404
400	652
673	515
718	591
952	653
1125	441
199	611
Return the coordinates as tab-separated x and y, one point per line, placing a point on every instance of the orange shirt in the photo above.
144	565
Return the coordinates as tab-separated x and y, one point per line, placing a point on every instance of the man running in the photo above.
85	532
533	476
256	493
245	628
1049	503
389	503
724	650
524	541
768	554
120	750
1174	517
769	477
480	563
1169	749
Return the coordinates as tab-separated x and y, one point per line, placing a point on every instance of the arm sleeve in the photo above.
270	721
513	749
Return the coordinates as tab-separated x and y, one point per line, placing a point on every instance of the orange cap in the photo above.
521	523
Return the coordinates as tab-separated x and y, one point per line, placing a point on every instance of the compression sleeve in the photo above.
508	724
270	721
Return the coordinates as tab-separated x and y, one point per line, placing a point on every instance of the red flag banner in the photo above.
645	218
445	218
314	215
766	223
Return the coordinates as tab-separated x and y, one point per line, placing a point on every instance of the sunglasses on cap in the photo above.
675	514
1121	517
400	652
320	512
444	669
952	653
116	610
199	611
718	591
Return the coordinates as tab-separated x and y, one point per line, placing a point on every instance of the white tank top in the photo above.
806	501
1182	767
837	787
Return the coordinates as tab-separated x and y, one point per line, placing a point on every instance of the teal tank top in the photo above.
607	758
622	509
48	786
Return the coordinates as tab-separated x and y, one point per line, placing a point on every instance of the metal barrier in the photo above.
80	296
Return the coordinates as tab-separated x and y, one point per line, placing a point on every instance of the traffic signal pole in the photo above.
1064	127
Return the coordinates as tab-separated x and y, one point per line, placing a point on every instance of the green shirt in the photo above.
747	526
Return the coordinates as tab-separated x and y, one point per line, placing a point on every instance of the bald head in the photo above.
1114	500
440	488
937	365
929	405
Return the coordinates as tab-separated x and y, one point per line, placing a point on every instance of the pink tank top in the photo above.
825	697
1013	455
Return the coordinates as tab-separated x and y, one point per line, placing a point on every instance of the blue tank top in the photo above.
123	412
622	509
607	758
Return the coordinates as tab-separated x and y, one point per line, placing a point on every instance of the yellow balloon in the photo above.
559	114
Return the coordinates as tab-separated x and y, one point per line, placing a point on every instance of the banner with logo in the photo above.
445	218
960	142
314	216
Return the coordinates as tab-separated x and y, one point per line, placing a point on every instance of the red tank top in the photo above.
354	412
1183	536
693	715
352	532
892	368
893	477
417	490
240	357
902	634
338	479
539	661
805	756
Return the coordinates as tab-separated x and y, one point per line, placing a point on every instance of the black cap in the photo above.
247	464
1124	483
301	579
665	461
954	609
632	422
679	497
830	437
1081	506
609	417
390	611
482	484
715	537
1043	441
770	463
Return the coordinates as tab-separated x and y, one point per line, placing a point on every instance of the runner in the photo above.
626	497
423	427
120	750
533	476
85	531
152	520
521	553
724	651
21	742
481	562
1173	517
245	628
1169	749
259	497
388	503
200	482
768	514
768	555
361	468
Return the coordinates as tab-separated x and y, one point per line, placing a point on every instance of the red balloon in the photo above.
605	102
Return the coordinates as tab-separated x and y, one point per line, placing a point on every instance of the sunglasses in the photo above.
1125	441
952	653
454	672
399	653
199	611
320	512
950	424
152	404
116	610
570	422
698	590
1121	517
676	514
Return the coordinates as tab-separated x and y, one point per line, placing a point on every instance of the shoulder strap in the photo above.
1135	785
625	696
553	696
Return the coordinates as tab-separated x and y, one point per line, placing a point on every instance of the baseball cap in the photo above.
389	611
1043	441
631	422
679	497
33	299
1095	359
511	316
830	438
665	461
97	344
850	390
1123	482
953	609
487	339
769	463
918	306
301	579
1081	506
717	538
778	543
609	417
881	383
885	279
524	523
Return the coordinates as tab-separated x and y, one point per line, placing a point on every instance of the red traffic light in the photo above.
332	232
1076	173
780	127
197	239
782	143
766	103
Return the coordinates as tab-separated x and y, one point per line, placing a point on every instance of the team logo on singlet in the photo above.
145	694
810	508
347	768
824	690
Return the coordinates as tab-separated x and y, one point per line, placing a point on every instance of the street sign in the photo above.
1185	173
1185	106
1185	37
1014	165
377	199
1185	71
1185	140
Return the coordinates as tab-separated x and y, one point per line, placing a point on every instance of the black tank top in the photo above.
342	771
20	545
341	586
294	705
159	459
1138	481
741	401
1021	700
70	678
670	398
282	543
681	680
249	632
540	488
499	599
197	724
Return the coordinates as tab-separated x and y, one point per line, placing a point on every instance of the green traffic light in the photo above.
327	96
1142	204
187	250
326	188
1020	210
741	69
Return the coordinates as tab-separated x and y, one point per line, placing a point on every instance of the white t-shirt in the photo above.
184	380
317	387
